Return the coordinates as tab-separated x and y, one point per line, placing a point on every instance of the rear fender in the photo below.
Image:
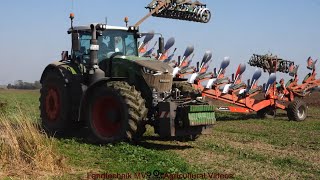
89	90
72	78
64	69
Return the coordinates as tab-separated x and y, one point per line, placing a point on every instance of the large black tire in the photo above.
187	90
55	103
297	110
268	113
116	112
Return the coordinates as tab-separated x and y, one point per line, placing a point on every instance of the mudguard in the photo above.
65	70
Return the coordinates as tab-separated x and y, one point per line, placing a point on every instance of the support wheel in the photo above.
297	110
115	113
268	113
55	103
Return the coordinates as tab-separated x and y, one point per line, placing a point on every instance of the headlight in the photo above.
133	29
101	27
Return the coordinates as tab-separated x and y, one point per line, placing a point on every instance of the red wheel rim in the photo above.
52	103
107	115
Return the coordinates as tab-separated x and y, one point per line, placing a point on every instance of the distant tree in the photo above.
19	84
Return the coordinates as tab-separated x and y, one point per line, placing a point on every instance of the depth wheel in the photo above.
115	113
297	111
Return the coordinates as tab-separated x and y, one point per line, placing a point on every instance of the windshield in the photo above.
110	42
113	41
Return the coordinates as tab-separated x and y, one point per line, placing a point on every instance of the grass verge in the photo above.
25	151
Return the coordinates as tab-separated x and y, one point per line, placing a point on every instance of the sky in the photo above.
34	32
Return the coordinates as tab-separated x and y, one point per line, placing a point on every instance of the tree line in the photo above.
19	84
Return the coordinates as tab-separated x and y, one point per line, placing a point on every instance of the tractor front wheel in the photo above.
297	110
54	103
115	112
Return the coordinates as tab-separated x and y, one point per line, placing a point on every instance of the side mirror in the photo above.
75	42
161	45
64	55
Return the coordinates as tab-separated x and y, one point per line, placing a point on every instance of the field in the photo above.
240	147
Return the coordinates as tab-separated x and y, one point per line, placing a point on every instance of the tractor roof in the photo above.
87	28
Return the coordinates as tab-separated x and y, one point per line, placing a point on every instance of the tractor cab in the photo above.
111	39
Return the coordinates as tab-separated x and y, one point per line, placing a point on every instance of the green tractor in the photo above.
104	86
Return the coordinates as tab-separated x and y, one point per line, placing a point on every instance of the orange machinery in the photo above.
262	99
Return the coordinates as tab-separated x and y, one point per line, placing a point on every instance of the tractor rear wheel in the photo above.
115	112
55	103
297	110
268	113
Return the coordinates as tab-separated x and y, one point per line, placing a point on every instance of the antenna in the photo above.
72	4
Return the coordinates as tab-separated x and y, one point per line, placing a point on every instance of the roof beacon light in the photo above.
71	16
126	20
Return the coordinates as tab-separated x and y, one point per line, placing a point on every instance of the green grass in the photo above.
240	145
122	158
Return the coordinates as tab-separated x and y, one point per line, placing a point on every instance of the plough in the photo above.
250	97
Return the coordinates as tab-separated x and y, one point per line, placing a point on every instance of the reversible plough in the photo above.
276	95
